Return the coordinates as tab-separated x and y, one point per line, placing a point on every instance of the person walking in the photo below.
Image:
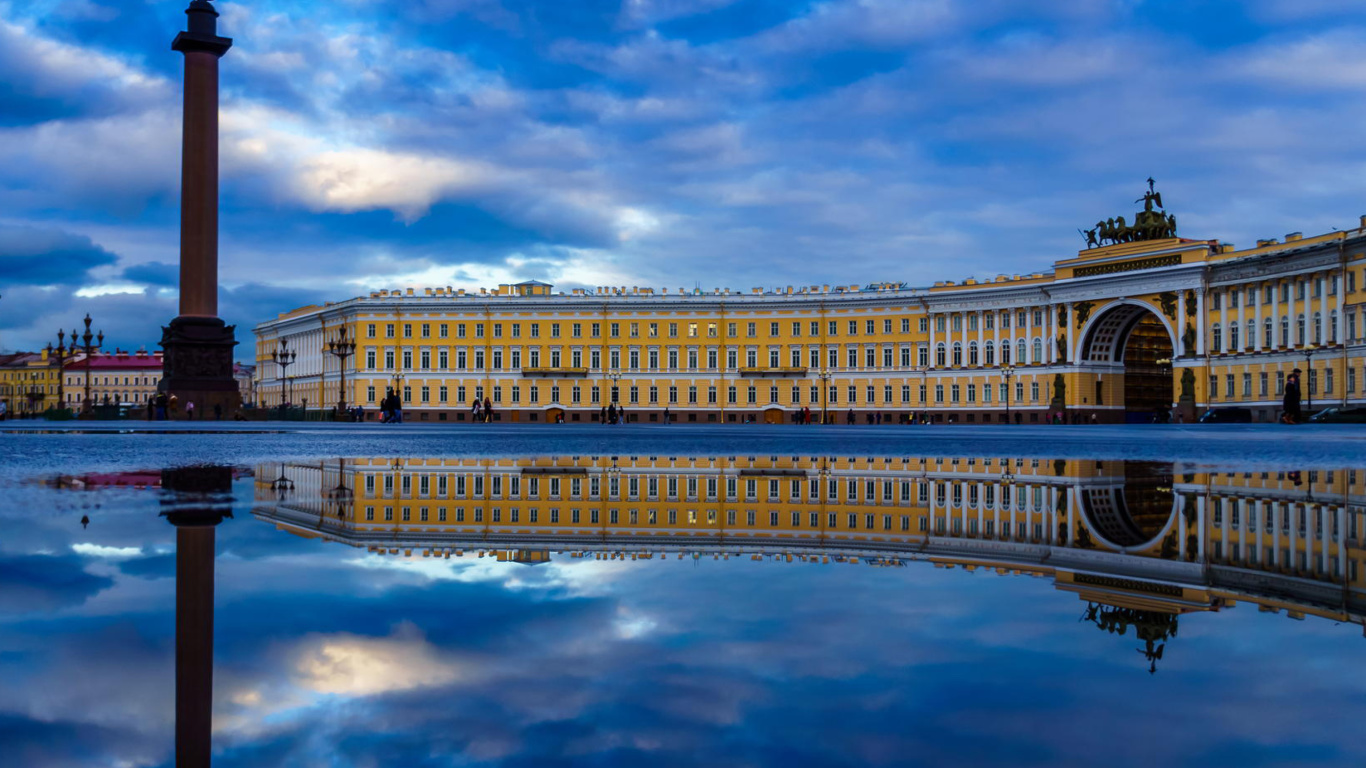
1290	403
488	410
666	414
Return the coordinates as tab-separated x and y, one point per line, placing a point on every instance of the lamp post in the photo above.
824	376
284	358
60	353
1008	372
341	349
614	376
87	410
1309	351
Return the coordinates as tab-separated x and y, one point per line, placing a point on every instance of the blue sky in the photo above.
735	143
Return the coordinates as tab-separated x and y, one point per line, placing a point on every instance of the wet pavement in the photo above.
752	595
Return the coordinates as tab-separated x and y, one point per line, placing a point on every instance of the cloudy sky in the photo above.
739	143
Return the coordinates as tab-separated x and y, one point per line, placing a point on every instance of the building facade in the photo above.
1128	331
1146	536
28	383
121	378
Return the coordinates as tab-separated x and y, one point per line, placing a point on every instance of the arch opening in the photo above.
1131	351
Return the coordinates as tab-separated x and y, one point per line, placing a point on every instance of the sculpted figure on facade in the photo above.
1168	301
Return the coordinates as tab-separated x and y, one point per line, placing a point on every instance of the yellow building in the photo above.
28	383
1138	537
1127	331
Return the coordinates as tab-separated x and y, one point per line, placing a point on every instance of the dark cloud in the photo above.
30	256
33	583
154	273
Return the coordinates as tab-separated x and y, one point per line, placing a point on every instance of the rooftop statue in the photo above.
1149	224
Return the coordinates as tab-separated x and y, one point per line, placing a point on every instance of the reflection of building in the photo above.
1126	536
1118	332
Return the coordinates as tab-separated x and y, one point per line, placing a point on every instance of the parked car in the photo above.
1227	416
1355	415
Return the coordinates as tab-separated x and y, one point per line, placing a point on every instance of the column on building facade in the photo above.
1202	513
1201	342
1029	334
1225	298
1071	331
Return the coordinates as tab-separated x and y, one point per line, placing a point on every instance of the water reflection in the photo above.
1140	543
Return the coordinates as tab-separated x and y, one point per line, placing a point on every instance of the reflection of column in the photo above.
196	504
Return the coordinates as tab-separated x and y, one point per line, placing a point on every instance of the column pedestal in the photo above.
197	365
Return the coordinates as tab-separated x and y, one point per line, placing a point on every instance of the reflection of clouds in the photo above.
112	553
574	577
352	665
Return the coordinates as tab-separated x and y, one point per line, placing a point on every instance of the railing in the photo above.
774	371
556	371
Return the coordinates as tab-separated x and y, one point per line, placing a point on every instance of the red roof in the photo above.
124	362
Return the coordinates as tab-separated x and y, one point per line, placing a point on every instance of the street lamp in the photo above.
614	376
60	353
282	485
1008	372
1309	351
341	349
88	410
284	358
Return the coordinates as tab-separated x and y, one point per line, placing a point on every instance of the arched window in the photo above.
1300	335
957	353
1251	334
1333	327
989	354
972	354
1318	327
1216	335
1233	336
1005	352
1285	331
1268	335
939	357
1021	352
1038	350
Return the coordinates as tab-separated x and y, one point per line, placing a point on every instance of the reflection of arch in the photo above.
1135	515
1104	338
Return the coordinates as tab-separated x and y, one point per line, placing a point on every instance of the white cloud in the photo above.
109	553
1328	61
353	665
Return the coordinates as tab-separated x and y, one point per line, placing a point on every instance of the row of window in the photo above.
1236	341
1268	293
653	330
870	394
672	357
853	521
1310	386
870	491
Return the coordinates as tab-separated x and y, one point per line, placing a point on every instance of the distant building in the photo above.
28	382
117	378
246	382
1142	324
